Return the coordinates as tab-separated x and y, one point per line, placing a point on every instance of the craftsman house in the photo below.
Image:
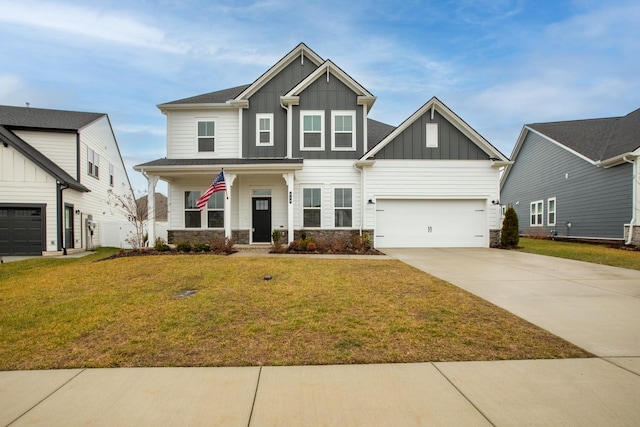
300	154
577	179
57	169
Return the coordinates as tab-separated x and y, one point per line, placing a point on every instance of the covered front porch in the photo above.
258	199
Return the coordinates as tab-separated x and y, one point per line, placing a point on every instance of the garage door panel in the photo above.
430	223
21	231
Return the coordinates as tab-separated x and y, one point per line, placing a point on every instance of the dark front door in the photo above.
68	226
261	220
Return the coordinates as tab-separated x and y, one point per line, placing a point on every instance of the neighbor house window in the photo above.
93	167
536	213
192	217
311	207
206	136
264	129
215	210
110	174
432	135
551	211
343	135
312	130
343	204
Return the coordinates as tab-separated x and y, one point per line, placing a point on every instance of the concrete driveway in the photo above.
593	306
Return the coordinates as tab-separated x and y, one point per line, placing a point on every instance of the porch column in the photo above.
289	178
152	181
229	178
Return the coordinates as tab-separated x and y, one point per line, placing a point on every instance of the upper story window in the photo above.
311	207
264	129
111	173
431	137
343	204
551	211
206	136
536	213
93	160
312	130
343	135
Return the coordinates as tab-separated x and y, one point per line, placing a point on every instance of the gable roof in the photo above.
10	139
376	131
217	97
40	118
434	104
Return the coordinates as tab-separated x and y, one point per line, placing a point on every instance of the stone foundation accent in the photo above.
330	234
635	239
494	238
241	237
194	236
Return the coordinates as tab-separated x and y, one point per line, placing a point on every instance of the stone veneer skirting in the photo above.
635	239
494	238
330	234
194	236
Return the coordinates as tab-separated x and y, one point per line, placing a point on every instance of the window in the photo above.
311	207
264	129
206	136
343	135
93	163
192	217
551	211
312	130
536	213
432	135
343	207
110	174
215	210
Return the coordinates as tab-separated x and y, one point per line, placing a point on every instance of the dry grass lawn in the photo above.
128	312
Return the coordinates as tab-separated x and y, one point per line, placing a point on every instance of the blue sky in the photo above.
498	64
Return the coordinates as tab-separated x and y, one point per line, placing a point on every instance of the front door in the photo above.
261	220
68	226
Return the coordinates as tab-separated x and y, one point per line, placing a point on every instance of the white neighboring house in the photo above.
57	169
300	154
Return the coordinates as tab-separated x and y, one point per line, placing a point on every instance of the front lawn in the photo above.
132	312
598	254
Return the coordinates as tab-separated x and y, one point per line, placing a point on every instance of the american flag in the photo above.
217	185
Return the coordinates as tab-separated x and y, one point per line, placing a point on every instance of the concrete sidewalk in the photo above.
592	306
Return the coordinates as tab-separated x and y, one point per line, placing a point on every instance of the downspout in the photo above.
362	205
59	202
634	190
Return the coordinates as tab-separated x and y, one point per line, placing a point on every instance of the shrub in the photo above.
183	247
311	246
222	245
277	240
337	245
321	244
201	247
509	237
160	245
294	246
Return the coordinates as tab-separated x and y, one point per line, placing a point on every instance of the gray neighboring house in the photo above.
577	179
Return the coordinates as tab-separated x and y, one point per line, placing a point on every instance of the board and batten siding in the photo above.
452	144
182	133
432	179
60	147
596	201
267	100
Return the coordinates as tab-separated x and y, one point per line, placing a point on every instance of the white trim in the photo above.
261	116
304	113
431	135
539	213
348	113
549	211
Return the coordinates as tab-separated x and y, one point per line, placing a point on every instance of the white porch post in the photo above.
229	178
152	181
289	178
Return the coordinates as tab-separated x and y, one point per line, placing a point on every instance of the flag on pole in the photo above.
217	185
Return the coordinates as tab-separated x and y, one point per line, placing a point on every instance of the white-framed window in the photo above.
312	130
192	217
551	211
311	207
215	210
111	173
206	135
343	130
264	129
93	163
431	135
536	213
343	207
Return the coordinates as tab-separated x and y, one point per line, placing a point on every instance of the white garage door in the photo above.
430	223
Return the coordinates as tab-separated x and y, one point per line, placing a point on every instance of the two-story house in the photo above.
57	168
300	153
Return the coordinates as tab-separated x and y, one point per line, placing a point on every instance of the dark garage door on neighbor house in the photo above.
21	230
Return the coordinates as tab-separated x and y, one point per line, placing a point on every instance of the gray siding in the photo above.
267	100
452	144
328	96
596	201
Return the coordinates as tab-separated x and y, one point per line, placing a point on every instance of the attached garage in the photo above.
441	223
22	230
